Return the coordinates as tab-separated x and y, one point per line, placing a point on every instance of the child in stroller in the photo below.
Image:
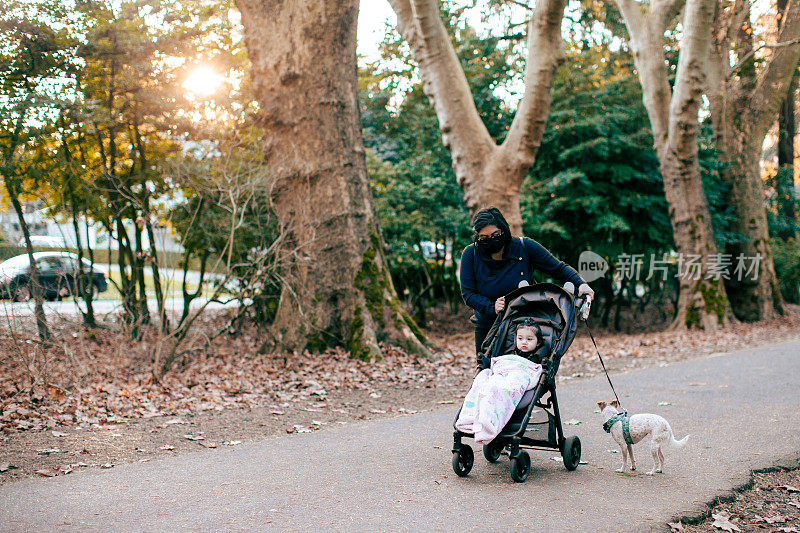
497	390
554	311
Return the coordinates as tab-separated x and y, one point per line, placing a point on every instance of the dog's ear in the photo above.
614	404
601	404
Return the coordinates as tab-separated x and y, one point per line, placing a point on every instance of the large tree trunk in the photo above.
487	173
744	101
337	290
673	117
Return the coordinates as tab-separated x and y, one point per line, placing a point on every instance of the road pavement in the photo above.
740	409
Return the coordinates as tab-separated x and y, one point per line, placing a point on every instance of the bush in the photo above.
786	255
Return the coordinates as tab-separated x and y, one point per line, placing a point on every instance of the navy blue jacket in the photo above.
485	280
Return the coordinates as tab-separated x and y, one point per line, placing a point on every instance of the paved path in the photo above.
740	408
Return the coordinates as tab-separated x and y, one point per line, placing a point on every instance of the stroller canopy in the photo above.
552	308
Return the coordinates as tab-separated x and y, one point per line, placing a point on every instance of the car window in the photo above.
49	265
69	264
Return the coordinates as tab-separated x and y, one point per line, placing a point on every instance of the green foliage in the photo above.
716	189
786	255
595	184
783	204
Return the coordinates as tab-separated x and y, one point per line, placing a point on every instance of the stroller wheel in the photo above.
520	467
463	460
571	453
493	450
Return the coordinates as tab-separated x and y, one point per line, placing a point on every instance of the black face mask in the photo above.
490	246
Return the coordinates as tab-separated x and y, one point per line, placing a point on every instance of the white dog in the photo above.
638	427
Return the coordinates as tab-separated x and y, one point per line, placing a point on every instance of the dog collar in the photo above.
626	430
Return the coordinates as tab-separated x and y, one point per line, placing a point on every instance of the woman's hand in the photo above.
500	304
586	290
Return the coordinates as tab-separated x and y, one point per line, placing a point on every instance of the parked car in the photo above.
57	276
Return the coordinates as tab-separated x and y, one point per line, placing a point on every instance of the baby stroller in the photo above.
556	312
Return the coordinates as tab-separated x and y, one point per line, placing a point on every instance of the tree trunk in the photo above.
757	296
35	286
487	173
673	117
744	100
336	290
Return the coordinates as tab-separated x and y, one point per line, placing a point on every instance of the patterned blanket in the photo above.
495	394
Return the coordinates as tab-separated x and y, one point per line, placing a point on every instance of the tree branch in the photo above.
445	84
690	78
773	81
545	53
646	40
750	54
663	10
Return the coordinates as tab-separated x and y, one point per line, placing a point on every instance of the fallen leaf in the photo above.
557	459
107	465
669	403
446	402
377	411
572	422
676	527
612	451
194	437
277	413
232	442
208	444
790	488
722	521
59	434
5	467
47	451
48	472
167	447
176	421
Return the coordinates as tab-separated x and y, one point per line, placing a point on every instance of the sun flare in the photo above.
203	81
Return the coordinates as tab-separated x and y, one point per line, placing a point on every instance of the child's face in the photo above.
526	339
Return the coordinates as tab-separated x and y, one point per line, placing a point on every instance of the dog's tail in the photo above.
677	443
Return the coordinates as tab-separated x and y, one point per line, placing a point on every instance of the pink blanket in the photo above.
495	394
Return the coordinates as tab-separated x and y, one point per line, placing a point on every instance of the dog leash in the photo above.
604	366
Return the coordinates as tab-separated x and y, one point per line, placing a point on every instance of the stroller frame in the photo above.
543	395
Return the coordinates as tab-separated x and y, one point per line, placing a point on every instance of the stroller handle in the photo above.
585	305
583	302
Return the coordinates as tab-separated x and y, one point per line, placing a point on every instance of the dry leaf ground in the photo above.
772	504
89	400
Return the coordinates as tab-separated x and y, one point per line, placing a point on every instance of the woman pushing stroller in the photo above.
541	319
495	264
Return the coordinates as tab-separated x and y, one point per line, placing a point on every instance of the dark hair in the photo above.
490	216
531	323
